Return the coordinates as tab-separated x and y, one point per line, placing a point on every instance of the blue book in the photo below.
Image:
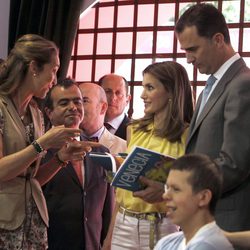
142	162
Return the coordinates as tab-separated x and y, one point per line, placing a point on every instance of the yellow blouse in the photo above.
148	140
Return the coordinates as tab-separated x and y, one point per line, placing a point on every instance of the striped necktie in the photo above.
209	84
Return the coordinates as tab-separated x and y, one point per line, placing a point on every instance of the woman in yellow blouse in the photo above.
168	109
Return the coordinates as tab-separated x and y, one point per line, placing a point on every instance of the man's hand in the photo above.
153	191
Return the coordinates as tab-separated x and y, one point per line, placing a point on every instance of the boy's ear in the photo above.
205	197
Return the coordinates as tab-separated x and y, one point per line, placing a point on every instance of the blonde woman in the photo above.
29	71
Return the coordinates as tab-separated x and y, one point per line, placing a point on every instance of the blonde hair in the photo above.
27	48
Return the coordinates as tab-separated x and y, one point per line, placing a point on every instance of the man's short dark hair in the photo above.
65	83
206	18
48	102
205	174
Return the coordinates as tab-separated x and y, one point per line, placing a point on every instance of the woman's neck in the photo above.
21	101
159	120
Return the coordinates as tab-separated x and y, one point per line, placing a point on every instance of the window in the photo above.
124	37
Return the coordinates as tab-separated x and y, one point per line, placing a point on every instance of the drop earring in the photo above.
34	74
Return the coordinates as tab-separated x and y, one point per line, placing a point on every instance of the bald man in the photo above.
95	108
116	89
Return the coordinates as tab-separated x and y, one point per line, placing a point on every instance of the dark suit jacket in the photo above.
222	131
79	218
122	129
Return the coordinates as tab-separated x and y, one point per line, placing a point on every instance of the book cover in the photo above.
142	162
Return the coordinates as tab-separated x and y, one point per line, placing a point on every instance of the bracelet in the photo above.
39	149
60	162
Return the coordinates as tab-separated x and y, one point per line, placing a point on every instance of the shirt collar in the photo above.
221	71
115	123
97	134
201	230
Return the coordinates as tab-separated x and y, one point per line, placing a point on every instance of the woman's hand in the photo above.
153	191
58	137
76	150
71	151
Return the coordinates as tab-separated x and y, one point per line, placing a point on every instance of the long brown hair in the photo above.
179	110
27	48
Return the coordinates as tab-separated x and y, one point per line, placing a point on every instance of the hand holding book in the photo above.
153	191
140	162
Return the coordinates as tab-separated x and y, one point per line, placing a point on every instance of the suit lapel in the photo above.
121	131
218	91
89	166
37	119
232	71
71	171
196	111
13	113
88	170
106	139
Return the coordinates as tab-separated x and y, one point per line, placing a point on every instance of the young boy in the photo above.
192	189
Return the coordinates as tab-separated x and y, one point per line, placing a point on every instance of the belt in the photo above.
143	216
153	218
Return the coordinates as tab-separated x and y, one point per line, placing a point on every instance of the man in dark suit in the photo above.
221	128
79	200
116	89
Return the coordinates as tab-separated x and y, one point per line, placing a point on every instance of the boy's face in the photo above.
181	203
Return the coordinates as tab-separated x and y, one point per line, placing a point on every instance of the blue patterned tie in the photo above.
209	84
